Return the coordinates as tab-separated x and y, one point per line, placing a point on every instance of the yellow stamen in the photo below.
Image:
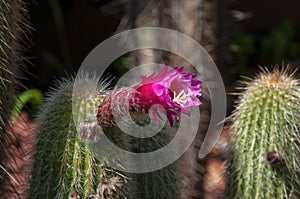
181	98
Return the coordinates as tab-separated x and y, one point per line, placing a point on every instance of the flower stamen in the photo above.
181	98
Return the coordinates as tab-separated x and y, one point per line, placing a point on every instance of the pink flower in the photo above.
174	91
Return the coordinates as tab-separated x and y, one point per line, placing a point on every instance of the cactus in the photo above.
64	166
66	159
170	90
159	184
266	133
13	26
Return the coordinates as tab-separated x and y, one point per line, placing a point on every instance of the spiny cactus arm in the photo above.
266	122
64	166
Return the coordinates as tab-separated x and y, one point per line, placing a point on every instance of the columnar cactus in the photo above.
13	26
64	167
266	134
66	164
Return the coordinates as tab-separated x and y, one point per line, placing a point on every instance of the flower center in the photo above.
181	98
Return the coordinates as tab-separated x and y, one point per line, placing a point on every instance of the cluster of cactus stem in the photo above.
13	23
266	135
65	165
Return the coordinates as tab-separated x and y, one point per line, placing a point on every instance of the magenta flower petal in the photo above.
174	91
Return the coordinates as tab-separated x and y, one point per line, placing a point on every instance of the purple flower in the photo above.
174	91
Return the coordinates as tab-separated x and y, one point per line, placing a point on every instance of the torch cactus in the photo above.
65	165
266	134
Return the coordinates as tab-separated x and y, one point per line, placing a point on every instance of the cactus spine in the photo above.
266	134
13	26
64	167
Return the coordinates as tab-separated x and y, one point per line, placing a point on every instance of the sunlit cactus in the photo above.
266	135
64	166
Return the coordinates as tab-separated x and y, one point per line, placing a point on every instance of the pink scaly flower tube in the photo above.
173	91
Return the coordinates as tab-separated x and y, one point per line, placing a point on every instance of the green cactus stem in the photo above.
64	167
266	134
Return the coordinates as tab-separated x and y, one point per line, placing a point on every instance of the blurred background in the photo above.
239	35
